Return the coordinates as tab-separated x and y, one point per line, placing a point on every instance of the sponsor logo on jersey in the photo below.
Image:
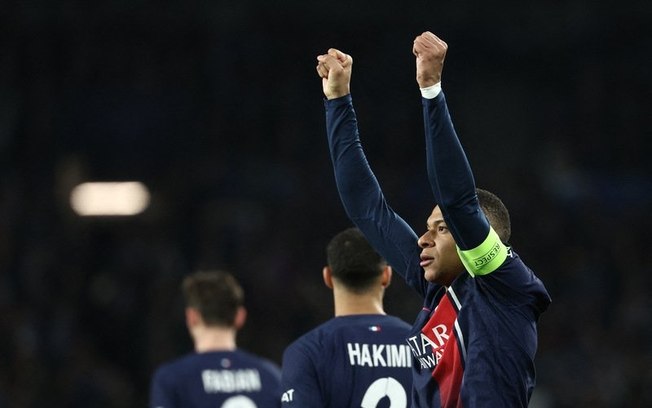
429	345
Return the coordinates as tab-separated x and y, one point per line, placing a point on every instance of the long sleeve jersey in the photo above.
473	342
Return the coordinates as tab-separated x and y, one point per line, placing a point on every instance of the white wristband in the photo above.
431	91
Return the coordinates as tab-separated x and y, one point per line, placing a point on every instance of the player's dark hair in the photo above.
215	294
353	261
496	213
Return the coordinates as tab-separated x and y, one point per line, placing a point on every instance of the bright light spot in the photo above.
109	198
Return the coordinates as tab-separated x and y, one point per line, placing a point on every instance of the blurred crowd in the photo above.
218	110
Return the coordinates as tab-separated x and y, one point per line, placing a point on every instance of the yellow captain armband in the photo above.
486	257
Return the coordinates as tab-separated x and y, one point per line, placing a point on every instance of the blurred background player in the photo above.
358	358
217	374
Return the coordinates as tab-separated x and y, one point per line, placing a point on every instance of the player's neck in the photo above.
347	303
214	339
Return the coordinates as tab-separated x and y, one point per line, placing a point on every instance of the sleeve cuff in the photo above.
432	91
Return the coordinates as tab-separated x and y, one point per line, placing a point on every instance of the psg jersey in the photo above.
474	342
349	361
218	379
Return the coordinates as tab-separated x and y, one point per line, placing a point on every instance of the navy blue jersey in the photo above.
349	361
217	379
474	342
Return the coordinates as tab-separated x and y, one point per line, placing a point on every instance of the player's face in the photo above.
439	259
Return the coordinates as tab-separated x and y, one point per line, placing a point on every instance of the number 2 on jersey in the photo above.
385	387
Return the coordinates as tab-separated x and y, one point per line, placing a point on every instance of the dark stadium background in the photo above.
216	107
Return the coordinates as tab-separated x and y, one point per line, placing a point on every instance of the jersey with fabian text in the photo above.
349	361
217	379
474	342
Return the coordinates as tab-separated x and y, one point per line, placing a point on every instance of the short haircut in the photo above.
496	213
353	261
216	295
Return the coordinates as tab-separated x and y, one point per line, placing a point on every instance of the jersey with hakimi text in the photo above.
349	361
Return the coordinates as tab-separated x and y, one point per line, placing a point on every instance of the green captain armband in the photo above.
486	257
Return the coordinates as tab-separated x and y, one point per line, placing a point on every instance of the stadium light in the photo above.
109	198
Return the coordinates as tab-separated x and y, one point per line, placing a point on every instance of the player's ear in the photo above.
327	273
240	317
386	276
193	318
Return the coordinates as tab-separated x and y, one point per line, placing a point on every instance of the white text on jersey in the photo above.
288	395
429	351
231	380
379	355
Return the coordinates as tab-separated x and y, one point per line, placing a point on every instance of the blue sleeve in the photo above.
363	199
300	380
162	391
451	177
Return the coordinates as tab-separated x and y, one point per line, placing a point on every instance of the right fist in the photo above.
429	51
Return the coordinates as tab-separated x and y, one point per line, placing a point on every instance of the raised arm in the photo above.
359	190
449	171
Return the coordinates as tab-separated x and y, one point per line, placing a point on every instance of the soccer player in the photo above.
474	340
358	358
217	374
